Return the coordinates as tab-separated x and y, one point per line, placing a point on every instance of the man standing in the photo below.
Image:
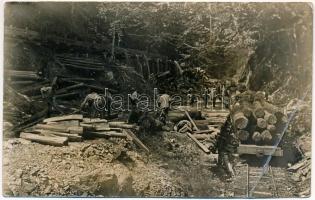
48	94
133	114
206	96
191	97
164	105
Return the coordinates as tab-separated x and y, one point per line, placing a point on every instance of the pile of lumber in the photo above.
301	174
59	130
255	120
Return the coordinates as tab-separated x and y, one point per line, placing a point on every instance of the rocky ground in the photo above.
110	167
175	166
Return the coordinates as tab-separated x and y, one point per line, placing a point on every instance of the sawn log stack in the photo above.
255	120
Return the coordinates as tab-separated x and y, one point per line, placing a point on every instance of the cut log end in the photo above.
261	123
243	135
266	136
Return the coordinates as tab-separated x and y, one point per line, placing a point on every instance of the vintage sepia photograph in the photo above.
157	99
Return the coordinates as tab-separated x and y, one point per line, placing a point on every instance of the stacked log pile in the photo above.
255	120
59	130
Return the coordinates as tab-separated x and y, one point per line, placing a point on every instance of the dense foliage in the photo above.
254	42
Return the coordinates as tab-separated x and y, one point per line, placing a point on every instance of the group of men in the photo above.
96	105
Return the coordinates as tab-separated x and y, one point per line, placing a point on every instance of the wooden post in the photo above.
148	65
158	65
247	182
140	67
192	121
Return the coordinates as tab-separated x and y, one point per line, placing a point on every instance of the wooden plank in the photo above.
54	141
123	125
64	118
205	149
201	136
108	134
263	150
75	130
72	137
192	121
94	120
202	131
135	139
60	128
65	123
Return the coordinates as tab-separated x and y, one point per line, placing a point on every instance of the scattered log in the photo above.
54	141
64	118
98	69
135	139
66	89
204	148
